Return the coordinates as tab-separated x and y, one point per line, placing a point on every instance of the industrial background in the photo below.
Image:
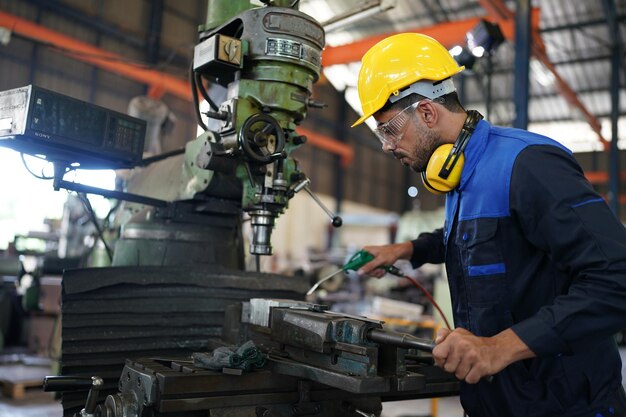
559	72
571	93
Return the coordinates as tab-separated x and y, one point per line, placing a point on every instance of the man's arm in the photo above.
427	248
561	214
471	358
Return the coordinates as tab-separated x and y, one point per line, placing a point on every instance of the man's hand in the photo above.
385	255
471	358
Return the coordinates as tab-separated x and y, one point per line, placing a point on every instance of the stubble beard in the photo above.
421	154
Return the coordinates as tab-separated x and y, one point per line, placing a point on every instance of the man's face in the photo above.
415	142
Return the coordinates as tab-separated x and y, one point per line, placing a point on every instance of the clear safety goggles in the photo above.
392	131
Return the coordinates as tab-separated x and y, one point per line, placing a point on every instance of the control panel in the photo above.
37	121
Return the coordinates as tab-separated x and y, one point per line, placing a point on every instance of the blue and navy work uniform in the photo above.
529	245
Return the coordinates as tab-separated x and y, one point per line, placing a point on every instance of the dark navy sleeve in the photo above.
428	248
561	214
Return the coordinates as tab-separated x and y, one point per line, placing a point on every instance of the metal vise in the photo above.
319	363
348	352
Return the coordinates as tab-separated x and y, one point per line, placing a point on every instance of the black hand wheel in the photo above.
261	138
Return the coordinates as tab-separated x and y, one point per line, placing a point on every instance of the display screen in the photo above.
125	135
61	116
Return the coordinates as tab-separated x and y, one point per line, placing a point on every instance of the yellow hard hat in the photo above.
400	61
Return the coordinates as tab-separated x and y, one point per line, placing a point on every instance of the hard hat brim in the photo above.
361	120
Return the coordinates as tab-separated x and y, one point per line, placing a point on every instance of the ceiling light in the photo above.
464	57
456	50
478	51
486	35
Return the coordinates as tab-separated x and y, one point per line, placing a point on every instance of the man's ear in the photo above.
429	113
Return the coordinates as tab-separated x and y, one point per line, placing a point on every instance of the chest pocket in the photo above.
481	257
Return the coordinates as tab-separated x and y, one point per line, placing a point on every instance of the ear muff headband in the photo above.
472	119
429	186
443	172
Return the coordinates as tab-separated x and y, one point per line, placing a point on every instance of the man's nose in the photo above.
388	146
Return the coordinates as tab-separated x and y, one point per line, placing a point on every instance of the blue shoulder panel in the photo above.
486	178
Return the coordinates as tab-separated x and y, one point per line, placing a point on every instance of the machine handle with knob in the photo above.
67	383
304	185
75	383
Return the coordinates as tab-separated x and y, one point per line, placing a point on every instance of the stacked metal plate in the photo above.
111	314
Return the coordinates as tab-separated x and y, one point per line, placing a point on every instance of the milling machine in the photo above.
177	283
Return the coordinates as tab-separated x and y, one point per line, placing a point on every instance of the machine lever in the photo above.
304	185
74	383
67	383
401	340
406	341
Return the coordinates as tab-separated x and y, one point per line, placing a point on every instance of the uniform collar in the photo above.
474	150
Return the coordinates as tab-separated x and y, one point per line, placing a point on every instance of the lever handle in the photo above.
67	383
304	185
401	340
74	383
336	220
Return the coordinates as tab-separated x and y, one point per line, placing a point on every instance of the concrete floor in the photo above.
42	404
445	407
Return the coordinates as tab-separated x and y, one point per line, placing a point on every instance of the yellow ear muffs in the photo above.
443	172
432	179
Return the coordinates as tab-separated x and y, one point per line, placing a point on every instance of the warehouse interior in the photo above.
153	252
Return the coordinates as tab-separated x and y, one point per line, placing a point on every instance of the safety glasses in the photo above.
391	132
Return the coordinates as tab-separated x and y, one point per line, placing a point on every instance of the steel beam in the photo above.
328	144
616	59
153	42
34	55
94	70
488	83
498	10
426	5
523	39
105	28
448	33
509	70
563	119
155	26
579	25
443	10
93	55
500	100
340	132
601	177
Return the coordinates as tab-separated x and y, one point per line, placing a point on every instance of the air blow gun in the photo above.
357	260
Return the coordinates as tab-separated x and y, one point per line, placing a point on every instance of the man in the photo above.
536	261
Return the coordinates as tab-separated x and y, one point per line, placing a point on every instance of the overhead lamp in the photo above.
485	37
478	51
456	50
463	56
